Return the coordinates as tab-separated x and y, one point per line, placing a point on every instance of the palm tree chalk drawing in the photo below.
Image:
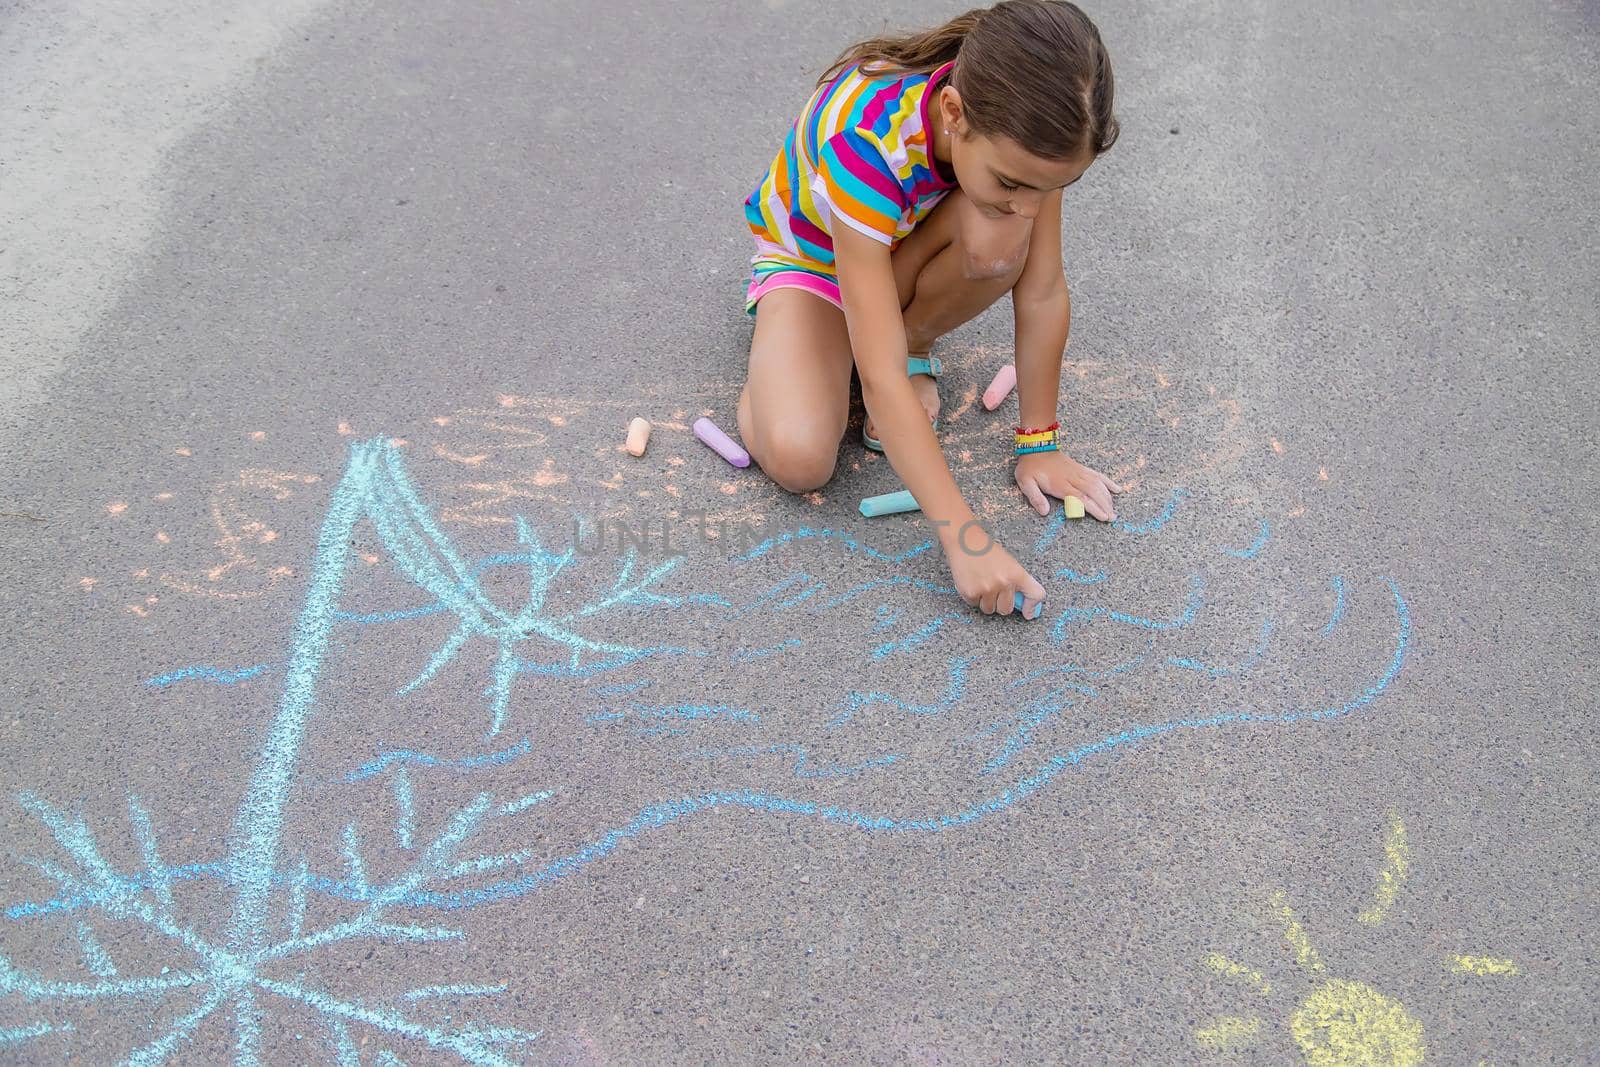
1340	1022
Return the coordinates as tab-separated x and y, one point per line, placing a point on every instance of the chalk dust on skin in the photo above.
543	456
95	96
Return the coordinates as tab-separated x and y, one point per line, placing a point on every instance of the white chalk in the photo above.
720	443
1000	388
638	436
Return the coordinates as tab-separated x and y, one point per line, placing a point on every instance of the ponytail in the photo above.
911	53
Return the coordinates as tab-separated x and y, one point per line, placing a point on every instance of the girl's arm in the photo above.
1043	310
878	336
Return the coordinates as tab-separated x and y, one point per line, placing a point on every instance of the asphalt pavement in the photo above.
367	703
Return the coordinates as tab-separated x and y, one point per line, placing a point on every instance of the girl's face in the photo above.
996	173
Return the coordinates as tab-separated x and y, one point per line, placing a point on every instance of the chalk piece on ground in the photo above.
720	443
638	436
1001	387
1016	604
889	504
1073	507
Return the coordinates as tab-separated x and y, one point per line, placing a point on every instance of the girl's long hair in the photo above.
1035	71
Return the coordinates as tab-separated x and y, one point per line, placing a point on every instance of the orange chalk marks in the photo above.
815	498
441	420
1140	462
454	457
139	610
183	452
86	583
728	487
398	442
1276	446
163	537
258	435
968	398
152	600
142	572
682	414
506	400
1297	512
345	430
276	484
1322	474
676	461
367	558
557	420
163	496
116	507
672	490
644	492
705	413
966	456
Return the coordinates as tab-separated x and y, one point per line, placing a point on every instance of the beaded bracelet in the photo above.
1036	440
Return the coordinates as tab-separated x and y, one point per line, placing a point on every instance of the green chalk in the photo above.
1073	507
889	504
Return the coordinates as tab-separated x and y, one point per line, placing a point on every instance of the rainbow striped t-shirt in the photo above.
858	156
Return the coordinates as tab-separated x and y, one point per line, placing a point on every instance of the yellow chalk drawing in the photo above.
1396	866
1482	965
1349	1023
1228	1032
1305	953
1233	969
1341	1022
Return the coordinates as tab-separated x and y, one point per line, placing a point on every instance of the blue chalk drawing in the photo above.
743	654
922	635
954	691
244	965
217	675
843	537
1243	665
1080	579
1338	604
1255	547
1150	526
402	757
802	763
1192	605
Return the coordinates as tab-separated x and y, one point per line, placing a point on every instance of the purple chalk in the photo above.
720	442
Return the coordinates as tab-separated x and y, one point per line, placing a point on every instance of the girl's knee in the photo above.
800	461
986	262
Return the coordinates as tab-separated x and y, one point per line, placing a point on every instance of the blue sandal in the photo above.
914	365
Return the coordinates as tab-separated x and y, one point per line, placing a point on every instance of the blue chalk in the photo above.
889	504
1016	603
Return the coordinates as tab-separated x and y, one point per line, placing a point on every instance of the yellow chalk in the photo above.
1074	507
638	436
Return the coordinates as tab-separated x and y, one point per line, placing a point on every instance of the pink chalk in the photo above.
720	442
1001	387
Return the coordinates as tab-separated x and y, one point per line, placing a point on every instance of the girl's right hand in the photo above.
986	575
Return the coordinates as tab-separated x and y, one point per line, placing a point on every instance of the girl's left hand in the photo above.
1059	475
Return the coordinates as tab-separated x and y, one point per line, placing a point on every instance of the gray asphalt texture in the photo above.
1319	709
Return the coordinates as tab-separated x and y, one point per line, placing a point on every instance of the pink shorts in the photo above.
763	283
